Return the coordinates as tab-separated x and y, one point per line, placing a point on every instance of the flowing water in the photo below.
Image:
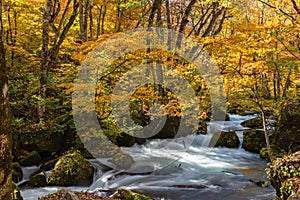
198	173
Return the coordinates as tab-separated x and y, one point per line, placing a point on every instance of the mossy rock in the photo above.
253	140
38	179
284	175
33	158
125	140
122	161
49	165
129	195
42	141
226	139
287	132
17	173
255	123
274	150
72	169
16	193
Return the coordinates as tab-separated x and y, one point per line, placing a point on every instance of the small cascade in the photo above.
183	168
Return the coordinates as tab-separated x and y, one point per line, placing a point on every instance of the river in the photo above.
198	173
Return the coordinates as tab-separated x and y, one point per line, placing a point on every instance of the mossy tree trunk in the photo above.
5	137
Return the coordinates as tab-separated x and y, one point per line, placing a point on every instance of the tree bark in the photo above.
91	21
185	21
5	135
49	53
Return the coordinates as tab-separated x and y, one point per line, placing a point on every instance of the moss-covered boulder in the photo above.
129	195
71	169
17	173
255	123
125	140
253	140
226	139
42	141
38	179
284	175
33	158
122	161
287	132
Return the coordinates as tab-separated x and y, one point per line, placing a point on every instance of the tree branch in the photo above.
296	6
282	11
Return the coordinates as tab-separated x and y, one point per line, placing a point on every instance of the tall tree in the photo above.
5	136
50	48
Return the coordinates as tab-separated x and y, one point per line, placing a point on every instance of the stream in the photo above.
198	173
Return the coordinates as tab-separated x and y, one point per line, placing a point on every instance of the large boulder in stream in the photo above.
38	179
226	139
255	123
72	169
33	158
284	174
253	140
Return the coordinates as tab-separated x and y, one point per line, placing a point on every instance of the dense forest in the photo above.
45	45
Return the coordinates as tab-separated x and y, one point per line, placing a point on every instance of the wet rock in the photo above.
255	123
33	158
259	182
38	179
17	173
253	140
226	139
71	169
42	141
189	186
129	195
122	161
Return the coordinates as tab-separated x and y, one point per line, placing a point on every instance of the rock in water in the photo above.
72	169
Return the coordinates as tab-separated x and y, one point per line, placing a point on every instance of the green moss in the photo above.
256	123
227	139
71	169
33	158
129	195
253	140
17	173
38	179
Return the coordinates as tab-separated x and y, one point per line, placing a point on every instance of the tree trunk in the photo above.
185	21
83	19
263	115
103	20
49	53
91	21
5	136
44	59
99	22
